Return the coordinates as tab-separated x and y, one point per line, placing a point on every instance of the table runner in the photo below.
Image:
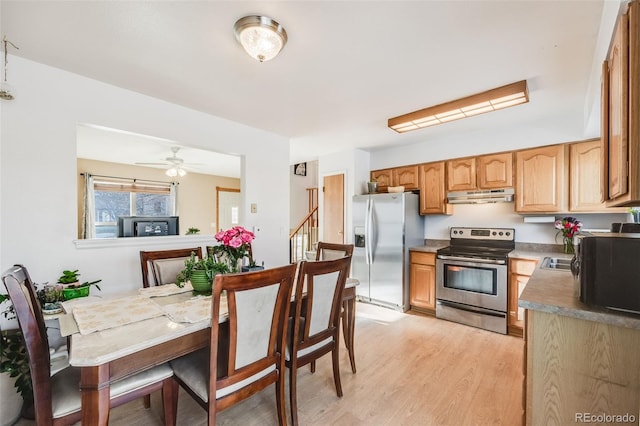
165	290
194	310
114	313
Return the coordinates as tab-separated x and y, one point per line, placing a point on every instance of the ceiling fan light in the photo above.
260	36
181	172
171	172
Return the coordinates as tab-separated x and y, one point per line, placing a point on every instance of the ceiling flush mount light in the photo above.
491	100
262	37
6	92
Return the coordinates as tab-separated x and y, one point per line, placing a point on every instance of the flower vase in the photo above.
200	281
567	245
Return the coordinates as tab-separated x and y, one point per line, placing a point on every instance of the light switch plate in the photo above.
254	208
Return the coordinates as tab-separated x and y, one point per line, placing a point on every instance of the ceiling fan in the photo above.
174	162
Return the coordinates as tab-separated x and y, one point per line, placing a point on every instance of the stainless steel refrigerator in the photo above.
384	227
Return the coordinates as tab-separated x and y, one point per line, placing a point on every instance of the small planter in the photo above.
74	293
252	268
200	281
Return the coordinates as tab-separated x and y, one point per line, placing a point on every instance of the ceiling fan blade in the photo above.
151	164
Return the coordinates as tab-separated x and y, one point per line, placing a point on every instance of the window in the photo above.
115	197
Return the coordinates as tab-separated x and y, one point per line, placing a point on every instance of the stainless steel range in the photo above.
471	277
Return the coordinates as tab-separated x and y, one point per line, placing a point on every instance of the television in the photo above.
147	226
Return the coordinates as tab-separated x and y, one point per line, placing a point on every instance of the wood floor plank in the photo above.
412	370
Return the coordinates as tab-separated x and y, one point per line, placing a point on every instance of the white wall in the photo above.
38	172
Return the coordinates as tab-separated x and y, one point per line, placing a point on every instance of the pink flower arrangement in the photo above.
234	244
568	226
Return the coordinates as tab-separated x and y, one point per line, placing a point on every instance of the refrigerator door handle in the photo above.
368	232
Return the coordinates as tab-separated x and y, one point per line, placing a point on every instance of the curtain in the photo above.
88	214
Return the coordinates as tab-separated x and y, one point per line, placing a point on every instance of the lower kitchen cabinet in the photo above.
422	281
520	271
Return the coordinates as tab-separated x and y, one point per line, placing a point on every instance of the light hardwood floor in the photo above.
412	370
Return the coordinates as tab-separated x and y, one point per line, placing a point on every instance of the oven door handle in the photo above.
472	260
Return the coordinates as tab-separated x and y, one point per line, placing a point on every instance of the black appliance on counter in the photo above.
625	227
471	277
609	271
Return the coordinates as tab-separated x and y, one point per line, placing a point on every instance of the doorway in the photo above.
227	208
333	209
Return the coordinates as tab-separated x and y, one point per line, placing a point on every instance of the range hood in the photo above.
504	195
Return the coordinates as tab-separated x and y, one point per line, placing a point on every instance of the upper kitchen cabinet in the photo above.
585	165
621	112
406	176
433	198
541	179
461	174
492	171
383	177
495	171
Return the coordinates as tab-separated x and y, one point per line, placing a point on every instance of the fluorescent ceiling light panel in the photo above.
491	100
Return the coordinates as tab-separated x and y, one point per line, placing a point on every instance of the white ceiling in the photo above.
348	65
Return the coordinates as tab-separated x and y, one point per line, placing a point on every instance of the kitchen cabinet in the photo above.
542	179
433	199
461	174
422	284
495	171
585	170
383	177
577	367
406	176
491	171
621	111
520	270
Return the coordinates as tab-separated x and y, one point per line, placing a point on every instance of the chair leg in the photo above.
293	372
349	322
147	401
336	368
170	401
312	366
280	405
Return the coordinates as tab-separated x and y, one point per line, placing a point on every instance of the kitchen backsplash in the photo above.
501	215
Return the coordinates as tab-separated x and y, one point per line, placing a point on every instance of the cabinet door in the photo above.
541	179
461	174
422	290
383	177
618	127
495	171
406	176
432	193
586	170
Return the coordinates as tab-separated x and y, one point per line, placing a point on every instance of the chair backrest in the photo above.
31	320
321	284
330	251
164	265
258	313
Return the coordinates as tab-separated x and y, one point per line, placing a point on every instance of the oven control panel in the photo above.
497	234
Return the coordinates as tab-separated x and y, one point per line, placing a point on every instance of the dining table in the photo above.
122	334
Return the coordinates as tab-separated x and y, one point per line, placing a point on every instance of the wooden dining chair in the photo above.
315	323
328	251
225	374
164	265
56	398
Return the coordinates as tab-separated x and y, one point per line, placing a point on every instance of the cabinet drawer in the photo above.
423	258
522	266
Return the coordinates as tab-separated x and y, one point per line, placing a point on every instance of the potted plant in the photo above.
200	272
50	298
14	369
193	231
71	287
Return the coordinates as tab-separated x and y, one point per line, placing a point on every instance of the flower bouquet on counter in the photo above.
234	246
569	227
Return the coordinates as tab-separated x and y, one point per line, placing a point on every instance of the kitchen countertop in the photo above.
552	291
